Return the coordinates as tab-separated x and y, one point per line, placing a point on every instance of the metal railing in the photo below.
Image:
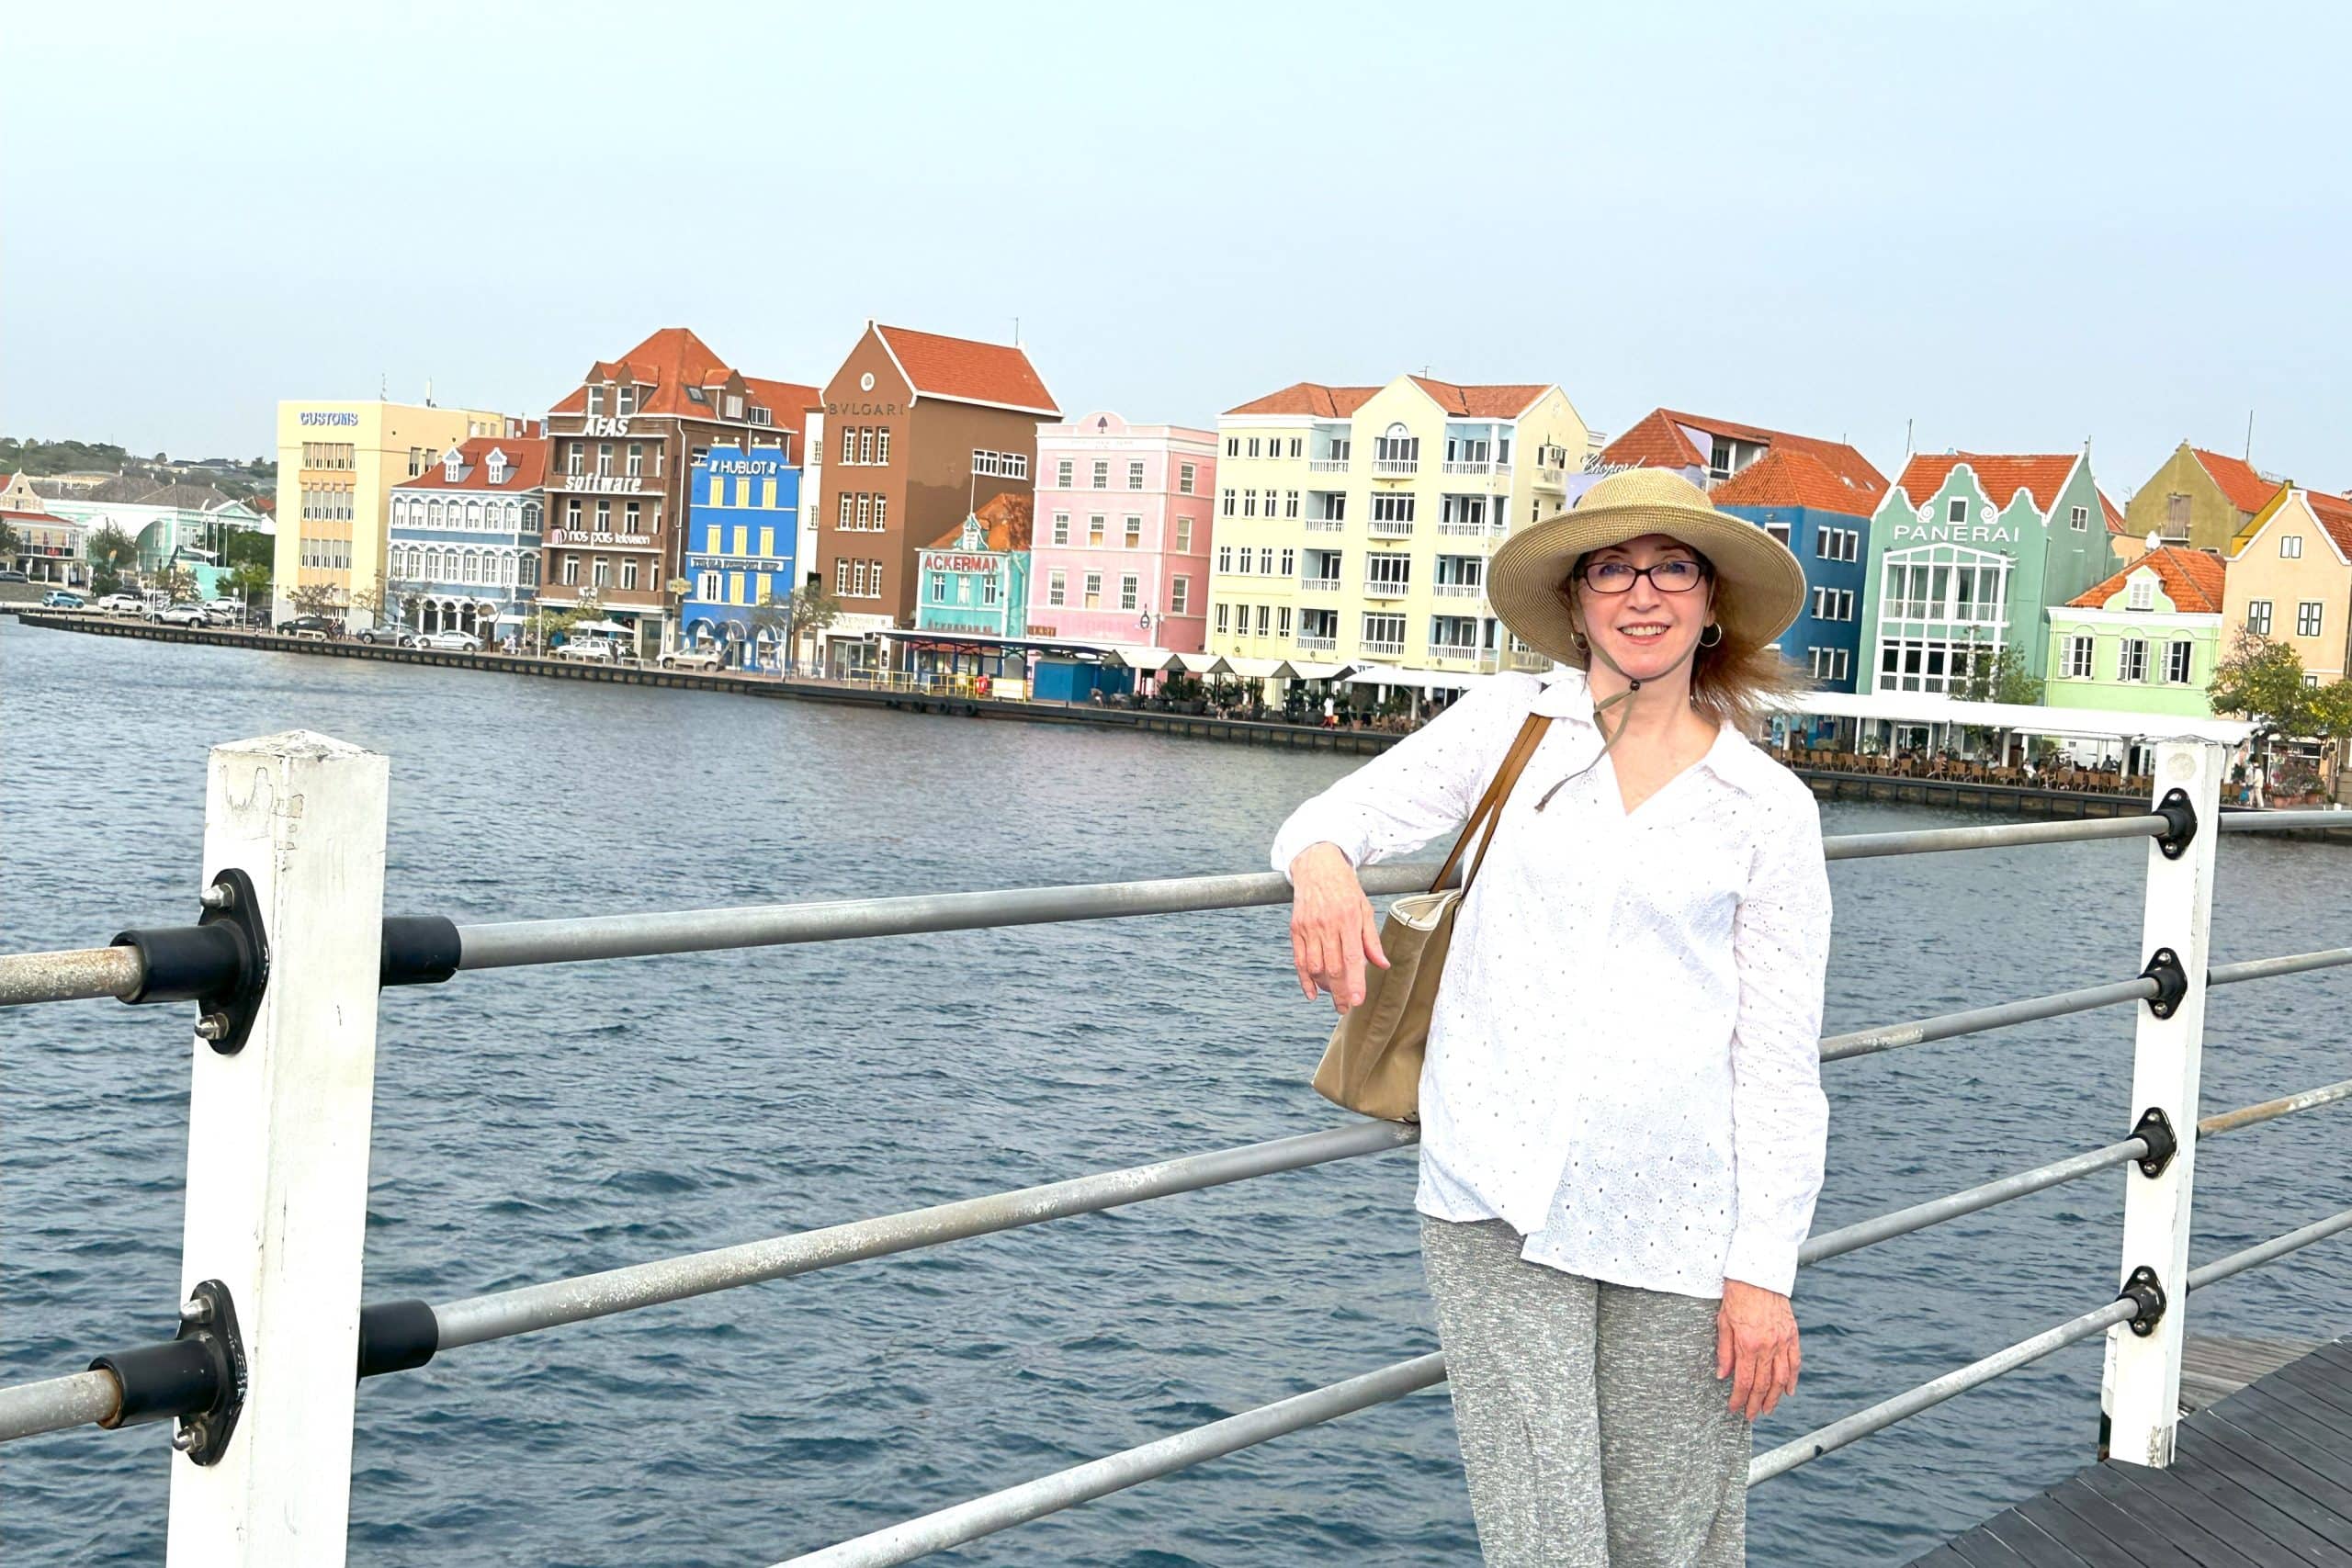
288	954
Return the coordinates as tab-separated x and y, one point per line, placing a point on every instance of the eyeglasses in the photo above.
1678	575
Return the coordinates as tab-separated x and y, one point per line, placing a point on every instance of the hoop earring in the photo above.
1706	641
1577	638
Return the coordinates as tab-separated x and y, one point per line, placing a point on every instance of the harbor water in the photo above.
536	1123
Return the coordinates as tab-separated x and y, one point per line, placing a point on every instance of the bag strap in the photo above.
1488	811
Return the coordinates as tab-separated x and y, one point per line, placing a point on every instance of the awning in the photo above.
2027	718
1256	668
1303	671
1413	680
1202	664
610	628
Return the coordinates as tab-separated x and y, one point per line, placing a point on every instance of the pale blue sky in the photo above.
2020	225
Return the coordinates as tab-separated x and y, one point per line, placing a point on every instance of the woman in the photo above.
1622	1116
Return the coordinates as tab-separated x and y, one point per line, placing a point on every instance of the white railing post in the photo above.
277	1149
2141	1389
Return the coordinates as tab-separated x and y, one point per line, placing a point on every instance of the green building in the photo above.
2144	640
1968	553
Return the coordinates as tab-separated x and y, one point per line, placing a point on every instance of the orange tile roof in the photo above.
2040	475
786	402
2335	514
1007	521
2246	490
2191	579
961	370
1505	399
2116	521
1787	477
673	360
527	464
1656	441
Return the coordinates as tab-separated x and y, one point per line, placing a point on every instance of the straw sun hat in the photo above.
1759	587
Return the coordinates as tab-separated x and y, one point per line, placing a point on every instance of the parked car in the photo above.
396	637
180	614
121	603
692	658
10	574
223	612
594	648
449	642
305	626
59	599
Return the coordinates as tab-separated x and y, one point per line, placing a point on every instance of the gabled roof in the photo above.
1005	519
1312	398
2116	523
786	402
670	361
1503	400
1786	477
960	370
2246	490
526	466
2335	514
2040	475
2191	578
1656	440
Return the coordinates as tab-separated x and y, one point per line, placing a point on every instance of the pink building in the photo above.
1121	549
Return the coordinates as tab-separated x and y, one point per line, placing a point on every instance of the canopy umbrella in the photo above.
610	628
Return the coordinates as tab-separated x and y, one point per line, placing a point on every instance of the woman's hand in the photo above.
1755	1346
1332	933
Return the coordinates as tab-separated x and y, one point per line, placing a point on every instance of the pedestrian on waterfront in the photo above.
1621	1117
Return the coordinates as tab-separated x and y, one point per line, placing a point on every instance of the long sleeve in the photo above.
1779	1117
1417	789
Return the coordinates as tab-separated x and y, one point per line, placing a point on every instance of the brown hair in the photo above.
1734	683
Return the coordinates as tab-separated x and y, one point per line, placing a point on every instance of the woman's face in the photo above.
1645	631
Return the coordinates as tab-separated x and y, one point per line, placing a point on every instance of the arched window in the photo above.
531	518
433	513
473	514
1397	445
514	513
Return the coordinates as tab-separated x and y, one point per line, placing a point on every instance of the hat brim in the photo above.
1759	587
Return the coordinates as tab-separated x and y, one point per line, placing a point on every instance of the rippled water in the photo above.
533	1123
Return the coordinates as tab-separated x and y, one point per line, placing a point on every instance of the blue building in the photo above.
743	521
1824	521
462	545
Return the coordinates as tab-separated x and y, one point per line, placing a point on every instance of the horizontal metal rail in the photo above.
1887	1412
77	975
2268	968
29	1409
1017	1505
2271	1110
1079	1483
1992	836
1975	1021
2284	822
1952	1205
531	1307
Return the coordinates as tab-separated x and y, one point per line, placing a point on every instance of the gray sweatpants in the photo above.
1594	1432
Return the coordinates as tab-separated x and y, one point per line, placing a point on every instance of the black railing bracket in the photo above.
2155	1129
2143	1290
198	1377
221	962
2180	819
2172	981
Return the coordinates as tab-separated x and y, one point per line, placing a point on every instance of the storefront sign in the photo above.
602	484
869	409
1954	534
583	537
748	468
604	424
330	419
943	560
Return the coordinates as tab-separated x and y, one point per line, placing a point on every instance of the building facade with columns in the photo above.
467	537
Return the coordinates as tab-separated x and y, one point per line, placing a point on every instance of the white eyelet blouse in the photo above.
1624	1056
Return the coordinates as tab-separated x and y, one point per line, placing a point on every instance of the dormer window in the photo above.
496	464
2143	593
450	467
595	400
1956	509
734	405
628	401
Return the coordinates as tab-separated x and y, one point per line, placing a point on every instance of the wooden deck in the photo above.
2260	1478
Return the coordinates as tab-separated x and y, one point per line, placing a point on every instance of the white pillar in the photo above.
277	1149
2141	1386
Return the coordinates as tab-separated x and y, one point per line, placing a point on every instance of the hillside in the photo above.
47	460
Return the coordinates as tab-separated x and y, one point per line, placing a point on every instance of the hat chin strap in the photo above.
1608	741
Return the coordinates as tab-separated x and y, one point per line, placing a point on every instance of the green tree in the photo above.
178	582
2000	679
111	553
812	611
2262	681
8	541
772	619
253	581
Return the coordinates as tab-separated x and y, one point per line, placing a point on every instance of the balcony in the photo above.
1391	528
1461	591
1394	468
1309	643
1327	525
1467	471
1552	479
1463	653
1375	588
1463	530
1370	649
1319	584
1326	465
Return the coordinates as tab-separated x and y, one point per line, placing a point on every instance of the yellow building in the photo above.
337	463
1353	523
2291	581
